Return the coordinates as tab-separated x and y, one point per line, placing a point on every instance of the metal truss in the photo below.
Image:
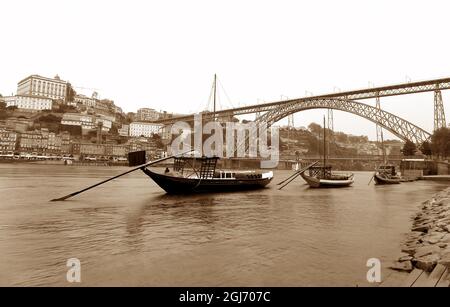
373	92
398	126
345	101
439	114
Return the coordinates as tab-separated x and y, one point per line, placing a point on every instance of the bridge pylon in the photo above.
439	114
331	128
380	138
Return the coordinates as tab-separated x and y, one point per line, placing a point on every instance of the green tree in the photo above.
425	148
409	149
440	142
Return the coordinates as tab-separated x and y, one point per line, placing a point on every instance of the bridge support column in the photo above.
380	138
439	114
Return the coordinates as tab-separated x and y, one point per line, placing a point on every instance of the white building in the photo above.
32	103
145	129
36	85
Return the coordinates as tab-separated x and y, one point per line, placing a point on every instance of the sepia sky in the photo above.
163	54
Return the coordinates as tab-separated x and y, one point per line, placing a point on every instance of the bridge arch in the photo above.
396	125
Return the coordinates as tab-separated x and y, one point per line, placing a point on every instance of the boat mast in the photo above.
324	142
215	93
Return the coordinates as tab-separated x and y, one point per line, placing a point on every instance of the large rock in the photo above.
427	263
405	258
446	238
445	259
402	266
421	227
409	249
432	238
426	250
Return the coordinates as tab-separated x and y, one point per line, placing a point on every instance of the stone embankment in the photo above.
428	243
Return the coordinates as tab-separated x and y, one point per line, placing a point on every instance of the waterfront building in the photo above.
29	102
147	114
146	129
93	150
66	146
32	141
36	85
8	140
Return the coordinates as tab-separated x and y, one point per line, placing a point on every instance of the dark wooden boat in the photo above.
192	175
322	177
386	174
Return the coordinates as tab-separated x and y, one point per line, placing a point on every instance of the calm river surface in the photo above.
129	232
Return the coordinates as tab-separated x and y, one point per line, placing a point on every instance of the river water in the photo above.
129	232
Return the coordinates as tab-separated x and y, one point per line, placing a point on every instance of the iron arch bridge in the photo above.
397	125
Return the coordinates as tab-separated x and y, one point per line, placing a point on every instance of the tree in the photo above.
70	93
440	142
2	105
425	148
158	140
315	129
11	108
409	149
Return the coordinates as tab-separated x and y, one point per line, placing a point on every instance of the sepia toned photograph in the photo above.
201	145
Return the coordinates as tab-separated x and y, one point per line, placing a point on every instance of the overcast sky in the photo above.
163	54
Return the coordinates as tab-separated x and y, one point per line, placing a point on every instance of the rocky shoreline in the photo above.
428	243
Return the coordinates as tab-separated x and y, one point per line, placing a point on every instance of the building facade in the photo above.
8	140
147	114
36	85
86	121
30	103
124	130
86	101
146	129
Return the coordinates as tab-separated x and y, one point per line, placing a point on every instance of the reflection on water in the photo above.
128	232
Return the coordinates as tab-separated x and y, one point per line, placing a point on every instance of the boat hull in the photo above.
380	180
314	182
181	185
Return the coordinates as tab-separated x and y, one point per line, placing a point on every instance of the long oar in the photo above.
298	174
104	181
280	183
294	174
371	178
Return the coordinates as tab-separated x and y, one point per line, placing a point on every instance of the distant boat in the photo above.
386	174
322	177
192	175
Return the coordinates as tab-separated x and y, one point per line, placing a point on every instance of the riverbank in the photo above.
428	243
